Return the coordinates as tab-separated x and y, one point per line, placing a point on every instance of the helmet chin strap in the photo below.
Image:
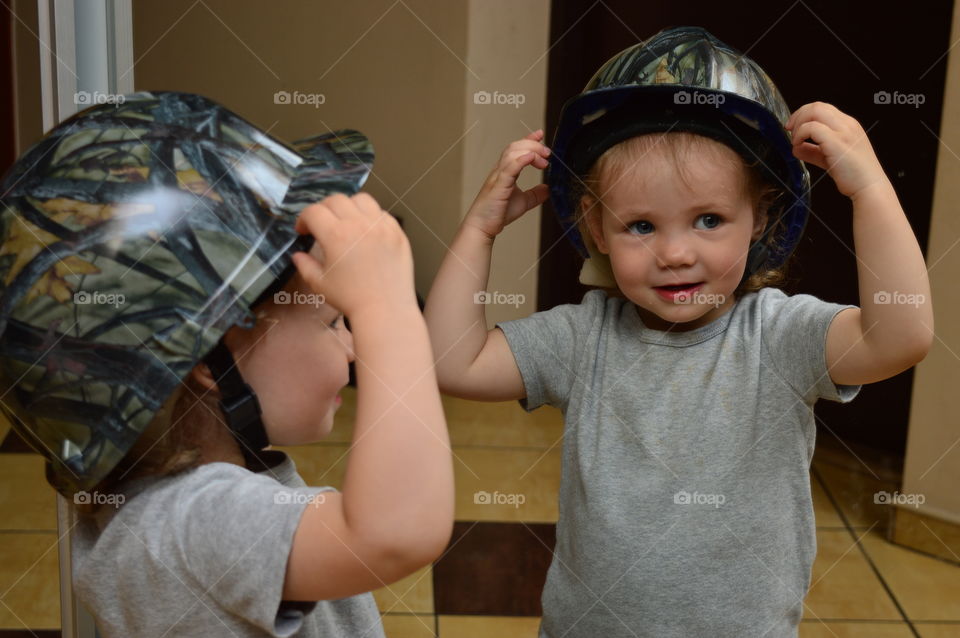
239	406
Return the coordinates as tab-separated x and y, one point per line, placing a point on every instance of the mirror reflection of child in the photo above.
686	379
176	287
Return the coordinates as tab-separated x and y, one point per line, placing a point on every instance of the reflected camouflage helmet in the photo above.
682	79
132	237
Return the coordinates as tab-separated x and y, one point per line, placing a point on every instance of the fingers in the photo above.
819	112
535	136
813	130
536	196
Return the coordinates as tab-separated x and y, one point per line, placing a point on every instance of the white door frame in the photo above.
86	50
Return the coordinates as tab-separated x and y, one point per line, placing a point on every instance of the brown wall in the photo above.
396	71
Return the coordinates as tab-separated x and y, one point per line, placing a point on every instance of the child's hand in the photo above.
841	147
360	258
500	201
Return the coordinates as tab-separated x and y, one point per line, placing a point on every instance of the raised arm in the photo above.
471	362
395	511
893	328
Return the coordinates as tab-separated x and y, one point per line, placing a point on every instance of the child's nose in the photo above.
348	344
675	251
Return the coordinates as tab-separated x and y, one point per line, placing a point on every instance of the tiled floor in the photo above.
863	586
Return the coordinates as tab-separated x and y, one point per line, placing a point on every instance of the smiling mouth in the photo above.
679	286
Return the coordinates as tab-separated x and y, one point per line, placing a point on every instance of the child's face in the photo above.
299	364
659	229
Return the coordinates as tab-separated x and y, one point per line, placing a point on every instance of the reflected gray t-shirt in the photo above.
204	553
685	505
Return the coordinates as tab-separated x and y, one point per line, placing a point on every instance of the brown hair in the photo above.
617	159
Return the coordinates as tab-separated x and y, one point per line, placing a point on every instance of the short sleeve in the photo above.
794	330
547	346
232	534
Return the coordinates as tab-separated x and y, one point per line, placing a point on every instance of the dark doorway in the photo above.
841	53
7	122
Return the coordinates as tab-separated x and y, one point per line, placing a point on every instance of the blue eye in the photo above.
647	227
713	217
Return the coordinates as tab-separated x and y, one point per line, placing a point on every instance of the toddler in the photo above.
687	380
167	314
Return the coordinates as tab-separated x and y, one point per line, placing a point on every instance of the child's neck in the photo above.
653	321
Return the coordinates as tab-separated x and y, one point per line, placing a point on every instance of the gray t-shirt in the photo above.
685	506
204	553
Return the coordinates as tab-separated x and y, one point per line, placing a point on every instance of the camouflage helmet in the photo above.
132	237
682	79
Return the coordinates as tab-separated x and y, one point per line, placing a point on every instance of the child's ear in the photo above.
759	224
594	220
201	374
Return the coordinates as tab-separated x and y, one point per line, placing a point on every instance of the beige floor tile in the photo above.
842	583
927	588
817	629
410	595
409	626
488	627
319	465
474	423
824	512
937	630
506	485
857	457
505	424
29	581
854	492
27	502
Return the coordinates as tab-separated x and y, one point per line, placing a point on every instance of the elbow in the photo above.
408	552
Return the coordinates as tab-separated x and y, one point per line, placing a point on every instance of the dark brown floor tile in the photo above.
495	569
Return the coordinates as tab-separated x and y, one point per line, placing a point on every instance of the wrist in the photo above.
385	311
477	231
879	188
